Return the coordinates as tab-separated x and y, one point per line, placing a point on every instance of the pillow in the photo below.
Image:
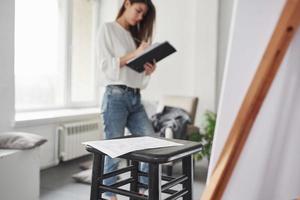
20	140
83	176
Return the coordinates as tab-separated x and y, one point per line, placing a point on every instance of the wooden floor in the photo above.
57	183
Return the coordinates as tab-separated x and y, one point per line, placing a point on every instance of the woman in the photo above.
118	42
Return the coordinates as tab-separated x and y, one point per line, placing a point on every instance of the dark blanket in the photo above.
175	118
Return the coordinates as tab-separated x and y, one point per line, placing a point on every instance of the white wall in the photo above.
7	11
108	10
268	167
205	56
224	24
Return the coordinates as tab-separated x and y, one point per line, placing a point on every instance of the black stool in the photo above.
155	158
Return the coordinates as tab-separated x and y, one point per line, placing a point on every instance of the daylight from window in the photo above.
54	65
38	75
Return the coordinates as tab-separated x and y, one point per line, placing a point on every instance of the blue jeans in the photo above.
122	108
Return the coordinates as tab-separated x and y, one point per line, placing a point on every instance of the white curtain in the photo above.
269	166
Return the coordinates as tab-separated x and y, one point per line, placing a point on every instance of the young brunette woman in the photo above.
118	42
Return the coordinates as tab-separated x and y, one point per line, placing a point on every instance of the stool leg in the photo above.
134	174
154	182
187	170
98	168
169	170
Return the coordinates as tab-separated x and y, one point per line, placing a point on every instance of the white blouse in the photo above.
113	42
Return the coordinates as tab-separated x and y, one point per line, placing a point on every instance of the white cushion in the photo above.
20	140
186	103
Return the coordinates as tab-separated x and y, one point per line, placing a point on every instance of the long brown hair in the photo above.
143	30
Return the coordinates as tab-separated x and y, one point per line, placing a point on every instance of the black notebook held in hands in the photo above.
157	52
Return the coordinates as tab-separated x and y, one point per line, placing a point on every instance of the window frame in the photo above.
69	49
65	49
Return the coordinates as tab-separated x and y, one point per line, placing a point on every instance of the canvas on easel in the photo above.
261	164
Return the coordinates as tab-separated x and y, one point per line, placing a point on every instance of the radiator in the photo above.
71	136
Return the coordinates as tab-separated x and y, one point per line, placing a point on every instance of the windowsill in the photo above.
54	116
7	152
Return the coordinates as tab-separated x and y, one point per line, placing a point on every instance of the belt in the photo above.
126	88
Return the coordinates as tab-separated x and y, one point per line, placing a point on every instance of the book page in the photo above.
118	147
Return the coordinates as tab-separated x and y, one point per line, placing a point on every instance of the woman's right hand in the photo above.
135	53
141	48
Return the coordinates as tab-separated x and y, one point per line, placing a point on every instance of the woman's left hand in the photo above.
149	68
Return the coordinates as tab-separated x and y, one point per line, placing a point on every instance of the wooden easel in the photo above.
285	30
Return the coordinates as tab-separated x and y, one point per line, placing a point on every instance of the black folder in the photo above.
155	52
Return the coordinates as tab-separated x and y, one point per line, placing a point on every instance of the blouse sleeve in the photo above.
107	61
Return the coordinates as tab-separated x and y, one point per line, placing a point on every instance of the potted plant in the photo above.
205	136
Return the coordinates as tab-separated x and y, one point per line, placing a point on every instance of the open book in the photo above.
156	51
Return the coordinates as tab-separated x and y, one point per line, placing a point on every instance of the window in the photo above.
54	56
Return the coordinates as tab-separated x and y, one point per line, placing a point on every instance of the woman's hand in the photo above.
150	68
135	53
141	48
